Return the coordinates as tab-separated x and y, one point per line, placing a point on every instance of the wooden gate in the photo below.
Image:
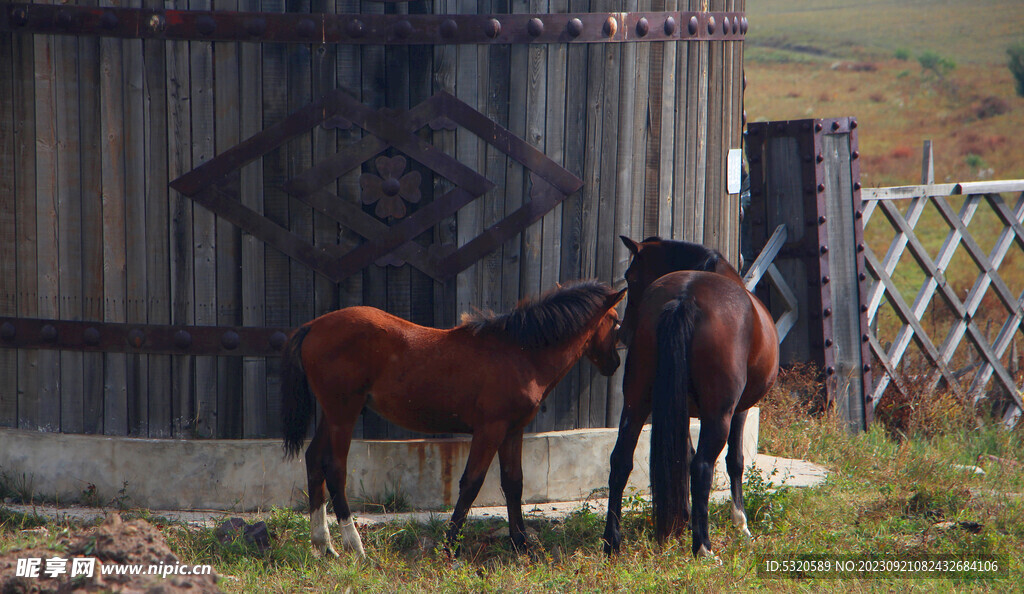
180	188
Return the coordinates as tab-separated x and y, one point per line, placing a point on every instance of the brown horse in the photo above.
700	345
486	377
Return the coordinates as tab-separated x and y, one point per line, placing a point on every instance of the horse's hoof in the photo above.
706	555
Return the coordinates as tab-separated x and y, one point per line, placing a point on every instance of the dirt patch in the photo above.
113	543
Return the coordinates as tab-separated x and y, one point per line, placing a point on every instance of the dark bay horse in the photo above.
486	377
700	345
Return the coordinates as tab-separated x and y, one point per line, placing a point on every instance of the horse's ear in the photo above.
614	299
631	245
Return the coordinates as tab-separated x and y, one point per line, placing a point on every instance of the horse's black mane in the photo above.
686	255
545	321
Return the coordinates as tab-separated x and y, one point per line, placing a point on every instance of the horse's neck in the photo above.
726	269
553	363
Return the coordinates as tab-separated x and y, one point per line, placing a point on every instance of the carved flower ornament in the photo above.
390	187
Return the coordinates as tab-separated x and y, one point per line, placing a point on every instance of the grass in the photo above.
894	491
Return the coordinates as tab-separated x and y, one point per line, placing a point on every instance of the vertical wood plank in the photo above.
112	110
446	232
203	419
666	168
227	100
469	150
529	124
44	412
136	133
396	96
158	212
69	224
682	206
255	396
325	230
515	251
550	75
25	142
421	286
8	231
495	74
91	250
652	154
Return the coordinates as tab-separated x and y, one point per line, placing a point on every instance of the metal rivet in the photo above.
711	25
611	26
136	337
866	368
230	340
49	333
735	25
835	125
830	371
205	25
182	339
825	279
449	28
862	277
826	312
109	20
817	126
863	308
535	27
356	28
692	25
865	338
7	331
858	214
822	220
819	158
19	17
575	27
278	340
65	19
256	26
91	336
855	155
853	124
157	23
306	28
726	25
860	247
670	26
403	29
643	27
744	25
828	342
823	250
493	28
821	187
856	185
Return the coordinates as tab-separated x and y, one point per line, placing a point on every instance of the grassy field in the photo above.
893	493
809	59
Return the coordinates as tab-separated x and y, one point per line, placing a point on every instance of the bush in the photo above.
1016	65
902	54
931	61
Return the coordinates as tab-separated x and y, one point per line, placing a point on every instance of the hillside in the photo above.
828	58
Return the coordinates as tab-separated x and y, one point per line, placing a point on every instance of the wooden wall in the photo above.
93	129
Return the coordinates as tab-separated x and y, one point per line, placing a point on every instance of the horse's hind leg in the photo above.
734	464
340	440
714	430
318	458
630	425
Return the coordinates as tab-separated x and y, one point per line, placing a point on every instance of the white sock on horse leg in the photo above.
739	520
350	536
318	532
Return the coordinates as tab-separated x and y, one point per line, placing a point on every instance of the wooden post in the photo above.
805	174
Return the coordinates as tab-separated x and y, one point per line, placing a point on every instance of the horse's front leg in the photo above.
510	455
631	424
486	439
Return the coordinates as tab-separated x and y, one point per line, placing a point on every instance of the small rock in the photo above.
256	534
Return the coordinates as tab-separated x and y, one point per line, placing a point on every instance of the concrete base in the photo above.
252	474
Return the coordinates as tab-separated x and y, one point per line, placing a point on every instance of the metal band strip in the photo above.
33	333
374	29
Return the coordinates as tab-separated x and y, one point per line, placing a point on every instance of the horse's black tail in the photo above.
297	401
670	422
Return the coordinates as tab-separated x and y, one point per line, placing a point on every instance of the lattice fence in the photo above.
981	233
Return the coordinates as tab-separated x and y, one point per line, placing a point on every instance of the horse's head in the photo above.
600	349
655	257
